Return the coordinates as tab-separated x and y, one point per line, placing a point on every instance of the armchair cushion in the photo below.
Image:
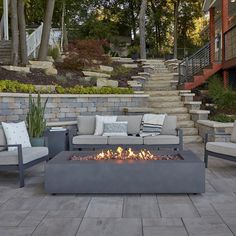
134	123
222	148
233	136
3	140
29	154
129	140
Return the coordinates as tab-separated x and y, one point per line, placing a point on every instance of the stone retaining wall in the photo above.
214	128
14	107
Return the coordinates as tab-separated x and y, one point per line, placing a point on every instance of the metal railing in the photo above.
194	64
33	41
230	43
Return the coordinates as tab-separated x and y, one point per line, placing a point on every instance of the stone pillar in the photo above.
212	33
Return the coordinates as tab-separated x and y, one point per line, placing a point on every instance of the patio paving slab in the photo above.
29	211
58	227
211	226
105	207
16	231
141	207
110	227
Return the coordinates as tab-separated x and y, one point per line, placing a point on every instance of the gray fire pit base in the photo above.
137	177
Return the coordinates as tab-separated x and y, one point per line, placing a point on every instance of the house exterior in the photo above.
219	55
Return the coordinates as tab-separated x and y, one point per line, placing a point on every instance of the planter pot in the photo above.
37	142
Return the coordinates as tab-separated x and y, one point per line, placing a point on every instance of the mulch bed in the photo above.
65	78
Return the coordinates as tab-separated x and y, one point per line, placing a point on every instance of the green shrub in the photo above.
14	87
120	71
224	98
54	53
223	118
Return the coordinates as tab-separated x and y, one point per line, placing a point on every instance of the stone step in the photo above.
183	117
165	99
160	88
164	93
178	110
166	104
189	131
193	139
186	124
161	75
157	84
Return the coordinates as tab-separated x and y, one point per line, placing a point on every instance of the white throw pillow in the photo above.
16	133
115	128
100	123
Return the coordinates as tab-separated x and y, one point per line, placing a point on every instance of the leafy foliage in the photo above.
223	118
35	117
224	98
85	53
14	87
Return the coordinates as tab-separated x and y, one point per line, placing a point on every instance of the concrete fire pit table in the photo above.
63	176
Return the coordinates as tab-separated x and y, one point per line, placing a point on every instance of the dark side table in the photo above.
58	141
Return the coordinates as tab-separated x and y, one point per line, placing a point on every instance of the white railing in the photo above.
33	41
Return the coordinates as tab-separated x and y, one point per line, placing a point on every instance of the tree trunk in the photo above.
142	29
15	33
1	29
176	16
43	50
22	28
63	24
65	42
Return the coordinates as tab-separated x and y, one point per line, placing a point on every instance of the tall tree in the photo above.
22	32
142	29
15	33
43	50
176	17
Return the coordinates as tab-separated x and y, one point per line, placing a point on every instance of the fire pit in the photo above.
126	154
125	171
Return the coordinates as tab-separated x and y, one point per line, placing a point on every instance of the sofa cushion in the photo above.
86	125
129	140
3	140
233	136
222	148
16	133
100	120
29	154
89	139
115	128
170	125
161	139
134	123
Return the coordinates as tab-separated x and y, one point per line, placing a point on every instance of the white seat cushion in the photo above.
89	139
29	154
128	140
161	139
222	148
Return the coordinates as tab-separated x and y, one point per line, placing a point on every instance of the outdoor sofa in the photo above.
83	137
20	159
223	150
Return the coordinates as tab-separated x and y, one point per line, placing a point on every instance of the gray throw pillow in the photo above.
115	129
134	123
170	125
233	136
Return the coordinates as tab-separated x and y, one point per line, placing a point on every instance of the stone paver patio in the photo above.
29	211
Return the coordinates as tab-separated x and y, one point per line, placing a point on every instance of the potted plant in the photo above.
35	121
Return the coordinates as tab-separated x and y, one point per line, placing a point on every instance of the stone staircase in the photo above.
165	98
161	85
